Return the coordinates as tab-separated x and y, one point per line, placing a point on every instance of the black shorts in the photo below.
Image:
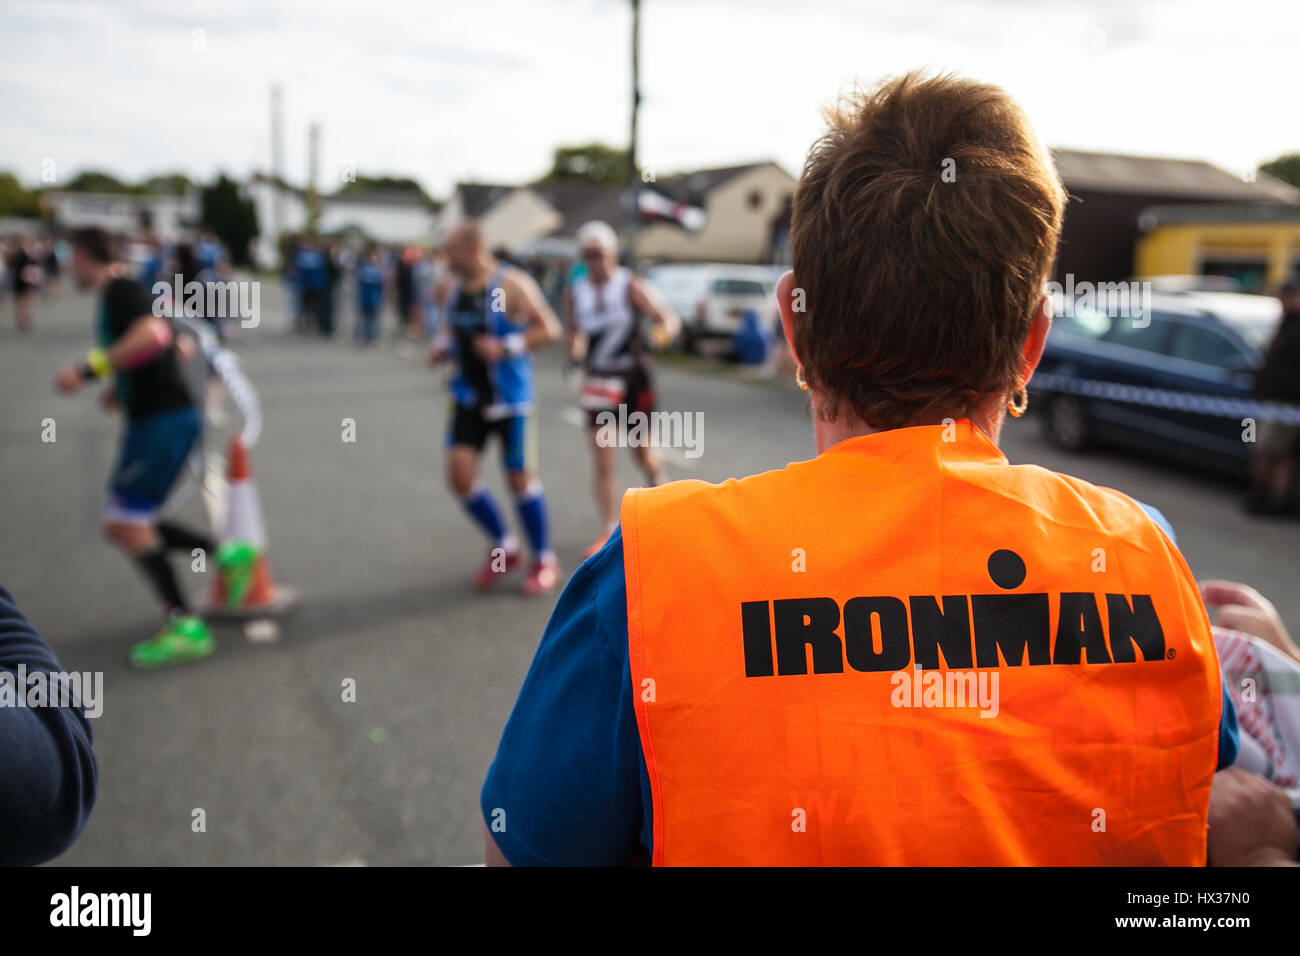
638	393
518	439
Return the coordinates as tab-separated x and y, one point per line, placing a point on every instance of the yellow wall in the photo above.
1179	248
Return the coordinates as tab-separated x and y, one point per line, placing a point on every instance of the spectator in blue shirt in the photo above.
370	295
569	784
48	786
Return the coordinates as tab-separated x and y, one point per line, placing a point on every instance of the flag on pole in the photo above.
656	207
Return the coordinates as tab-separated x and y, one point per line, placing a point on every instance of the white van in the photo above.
710	298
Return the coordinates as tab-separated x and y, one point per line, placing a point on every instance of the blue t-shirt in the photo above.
370	285
310	267
569	784
50	775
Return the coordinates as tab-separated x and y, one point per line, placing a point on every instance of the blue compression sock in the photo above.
532	513
485	513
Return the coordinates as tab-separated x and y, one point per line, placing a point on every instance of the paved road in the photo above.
259	736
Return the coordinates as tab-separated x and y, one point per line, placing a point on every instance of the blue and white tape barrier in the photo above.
1219	405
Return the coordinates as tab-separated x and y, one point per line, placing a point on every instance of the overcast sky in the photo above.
484	90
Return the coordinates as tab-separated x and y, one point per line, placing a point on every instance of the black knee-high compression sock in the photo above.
159	572
178	537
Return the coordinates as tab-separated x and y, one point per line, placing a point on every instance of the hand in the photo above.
108	399
68	380
489	348
1252	822
1242	608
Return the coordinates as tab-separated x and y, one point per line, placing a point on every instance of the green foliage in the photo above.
166	184
16	200
96	181
592	163
231	217
389	184
1285	168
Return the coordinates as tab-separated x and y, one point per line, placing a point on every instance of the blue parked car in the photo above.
1196	346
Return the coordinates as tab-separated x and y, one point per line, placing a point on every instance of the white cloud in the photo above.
486	89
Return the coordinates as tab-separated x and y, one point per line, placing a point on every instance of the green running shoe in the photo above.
183	639
236	561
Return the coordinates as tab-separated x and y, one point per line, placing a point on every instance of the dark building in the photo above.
1109	192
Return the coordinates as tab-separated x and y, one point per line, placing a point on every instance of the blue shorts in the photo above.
518	439
154	451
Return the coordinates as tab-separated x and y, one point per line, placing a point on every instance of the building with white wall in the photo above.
388	216
746	209
168	216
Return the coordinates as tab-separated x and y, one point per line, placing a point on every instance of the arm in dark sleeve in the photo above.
126	301
566	785
49	778
1229	735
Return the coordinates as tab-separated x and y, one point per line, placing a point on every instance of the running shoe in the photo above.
493	568
184	638
544	576
236	561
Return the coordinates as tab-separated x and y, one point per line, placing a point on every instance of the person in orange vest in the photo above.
905	651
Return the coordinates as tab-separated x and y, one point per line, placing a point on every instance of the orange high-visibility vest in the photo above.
908	652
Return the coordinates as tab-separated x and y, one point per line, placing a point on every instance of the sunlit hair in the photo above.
924	226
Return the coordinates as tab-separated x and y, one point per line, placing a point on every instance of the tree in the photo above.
1285	168
389	184
230	216
96	181
17	200
167	184
592	163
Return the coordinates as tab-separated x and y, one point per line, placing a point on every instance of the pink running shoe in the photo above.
495	567
544	576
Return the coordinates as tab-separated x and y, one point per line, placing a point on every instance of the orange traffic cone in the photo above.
243	586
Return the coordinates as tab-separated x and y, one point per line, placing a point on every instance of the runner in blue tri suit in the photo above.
490	318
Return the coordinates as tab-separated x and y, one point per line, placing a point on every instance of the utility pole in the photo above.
277	174
313	157
633	173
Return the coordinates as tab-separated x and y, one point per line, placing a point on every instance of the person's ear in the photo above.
1036	340
785	302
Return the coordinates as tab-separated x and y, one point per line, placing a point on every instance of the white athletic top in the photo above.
605	315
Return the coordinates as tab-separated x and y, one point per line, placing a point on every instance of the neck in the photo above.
483	268
106	275
988	418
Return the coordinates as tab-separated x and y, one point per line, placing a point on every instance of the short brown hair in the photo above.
95	242
919	287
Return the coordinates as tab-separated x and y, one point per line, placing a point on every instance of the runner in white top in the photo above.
602	311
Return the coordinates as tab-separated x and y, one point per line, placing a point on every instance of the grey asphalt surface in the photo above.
259	736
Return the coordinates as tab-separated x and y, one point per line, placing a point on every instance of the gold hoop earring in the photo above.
1018	407
799	379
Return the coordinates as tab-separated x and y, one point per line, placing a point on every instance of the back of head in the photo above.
95	243
924	226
